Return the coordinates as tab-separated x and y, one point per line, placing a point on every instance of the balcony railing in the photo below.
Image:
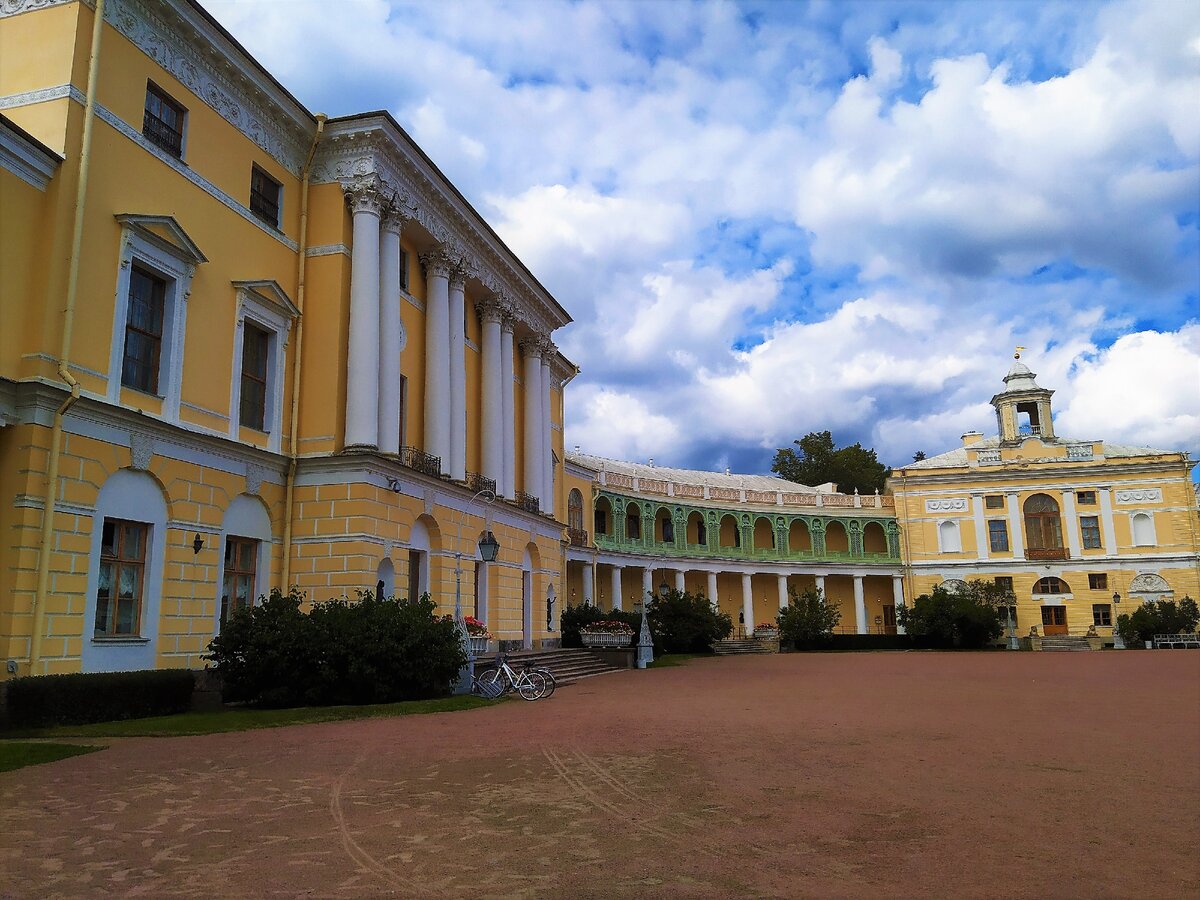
578	537
421	461
477	483
528	502
162	135
1046	553
694	551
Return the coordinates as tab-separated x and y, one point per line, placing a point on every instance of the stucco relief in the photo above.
1140	495
948	504
1149	583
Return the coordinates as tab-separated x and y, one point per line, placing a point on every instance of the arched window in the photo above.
836	540
602	515
764	534
1043	527
731	535
633	522
575	510
697	532
1051	586
949	540
799	537
1143	530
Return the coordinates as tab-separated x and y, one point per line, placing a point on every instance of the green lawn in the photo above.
18	754
225	720
676	659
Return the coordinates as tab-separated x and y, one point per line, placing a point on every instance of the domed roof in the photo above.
1020	378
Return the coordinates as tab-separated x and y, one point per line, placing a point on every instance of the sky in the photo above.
774	218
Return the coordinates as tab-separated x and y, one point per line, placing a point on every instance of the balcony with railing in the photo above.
420	461
528	502
478	483
578	537
683	550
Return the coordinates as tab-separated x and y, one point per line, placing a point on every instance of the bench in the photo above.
1176	641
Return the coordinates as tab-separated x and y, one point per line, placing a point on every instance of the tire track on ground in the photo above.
580	788
363	859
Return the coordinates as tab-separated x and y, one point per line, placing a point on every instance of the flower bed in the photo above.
606	634
767	630
478	633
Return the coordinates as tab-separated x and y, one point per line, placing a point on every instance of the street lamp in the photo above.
663	588
1118	641
488	548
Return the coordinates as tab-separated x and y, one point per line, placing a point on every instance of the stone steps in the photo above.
729	648
567	666
1066	643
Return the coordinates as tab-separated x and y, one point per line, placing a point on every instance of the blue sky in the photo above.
773	218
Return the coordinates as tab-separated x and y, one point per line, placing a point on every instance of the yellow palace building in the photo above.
246	346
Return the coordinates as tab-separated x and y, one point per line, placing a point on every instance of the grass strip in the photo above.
242	719
676	659
19	754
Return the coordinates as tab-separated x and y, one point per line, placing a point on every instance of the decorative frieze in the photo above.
946	504
1139	495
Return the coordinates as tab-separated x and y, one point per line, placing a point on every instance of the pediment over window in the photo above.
271	294
1148	583
165	233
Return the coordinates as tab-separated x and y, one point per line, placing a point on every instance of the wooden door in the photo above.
1054	620
889	618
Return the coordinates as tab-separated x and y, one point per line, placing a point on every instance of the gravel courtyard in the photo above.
832	775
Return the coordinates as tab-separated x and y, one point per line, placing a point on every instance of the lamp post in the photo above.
645	653
1118	641
488	548
1010	615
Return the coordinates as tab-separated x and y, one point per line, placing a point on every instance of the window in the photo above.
633	526
994	501
265	193
237	592
143	331
701	533
1098	581
575	510
1008	615
122	575
1101	614
1042	524
403	404
1085	498
948	538
416	565
1004	583
601	518
403	269
1090	526
1051	586
162	122
998	535
1143	530
668	531
254	377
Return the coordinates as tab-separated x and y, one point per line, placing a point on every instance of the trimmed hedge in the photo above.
37	701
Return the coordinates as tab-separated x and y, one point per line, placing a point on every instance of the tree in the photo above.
807	619
918	456
685	623
1161	617
818	461
964	617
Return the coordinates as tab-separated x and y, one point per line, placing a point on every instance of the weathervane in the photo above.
1017	355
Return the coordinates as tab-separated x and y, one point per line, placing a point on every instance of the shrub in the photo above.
966	618
1159	617
36	701
685	623
807	619
576	618
372	650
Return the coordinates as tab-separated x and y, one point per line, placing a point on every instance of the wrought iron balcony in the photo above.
578	537
477	483
528	502
161	134
421	461
1046	553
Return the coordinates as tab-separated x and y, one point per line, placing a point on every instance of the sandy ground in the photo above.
838	775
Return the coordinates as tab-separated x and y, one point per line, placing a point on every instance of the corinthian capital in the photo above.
458	278
549	348
365	195
489	309
437	263
532	346
392	221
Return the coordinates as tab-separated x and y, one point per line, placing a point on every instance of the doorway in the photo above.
527	610
1054	620
889	618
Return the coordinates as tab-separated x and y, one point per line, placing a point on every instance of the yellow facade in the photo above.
173	452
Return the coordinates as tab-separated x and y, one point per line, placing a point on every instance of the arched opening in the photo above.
799	537
575	510
697	531
603	516
529	566
874	538
664	527
1043	527
385	578
836	540
764	534
1051	585
423	542
731	535
633	522
1142	526
245	556
949	538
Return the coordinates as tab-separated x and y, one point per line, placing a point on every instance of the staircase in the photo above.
745	645
1065	642
567	666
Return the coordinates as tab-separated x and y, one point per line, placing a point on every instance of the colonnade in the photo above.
373	401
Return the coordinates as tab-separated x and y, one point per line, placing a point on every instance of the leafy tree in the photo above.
966	617
819	461
807	618
685	623
918	456
1161	617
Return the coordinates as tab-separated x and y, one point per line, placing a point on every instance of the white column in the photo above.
982	542
458	375
362	358
492	376
898	600
389	333
508	487
616	587
712	591
437	356
820	579
680	581
548	504
1071	524
1016	538
587	585
783	591
647	583
747	604
860	605
533	415
1106	521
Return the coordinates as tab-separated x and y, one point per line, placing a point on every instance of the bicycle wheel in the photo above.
551	683
489	684
531	686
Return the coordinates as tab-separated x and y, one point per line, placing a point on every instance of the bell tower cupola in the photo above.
1023	408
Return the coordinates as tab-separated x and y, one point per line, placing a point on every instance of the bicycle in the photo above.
493	683
551	681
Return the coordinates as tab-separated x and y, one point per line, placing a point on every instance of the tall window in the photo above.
162	121
948	537
998	535
701	532
668	531
238	590
143	331
403	269
122	576
633	525
255	344
403	403
601	520
1101	614
575	510
1042	524
1143	530
416	562
1090	526
265	193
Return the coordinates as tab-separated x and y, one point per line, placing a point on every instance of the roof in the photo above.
691	476
1020	378
957	458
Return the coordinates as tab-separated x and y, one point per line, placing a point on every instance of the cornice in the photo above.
1076	473
366	146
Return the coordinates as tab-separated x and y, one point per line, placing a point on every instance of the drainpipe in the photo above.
290	481
43	574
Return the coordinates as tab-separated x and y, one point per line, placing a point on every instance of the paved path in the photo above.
884	774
